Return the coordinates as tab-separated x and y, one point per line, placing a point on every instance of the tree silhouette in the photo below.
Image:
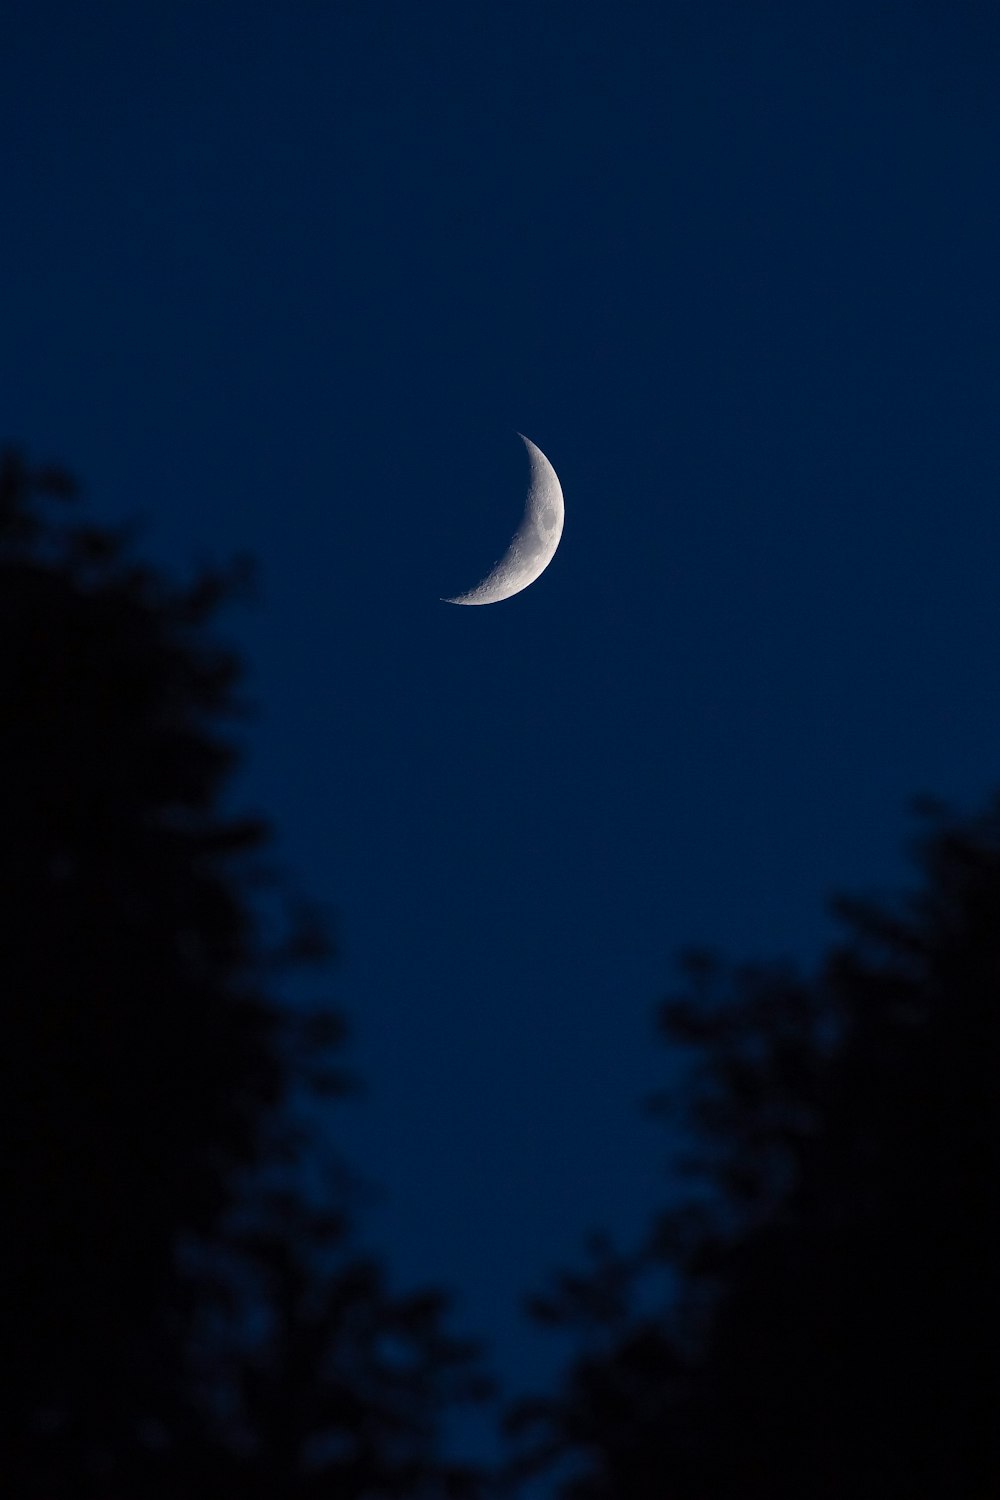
180	1315
834	1333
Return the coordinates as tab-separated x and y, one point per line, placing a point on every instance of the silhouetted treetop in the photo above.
834	1330
138	1052
181	1315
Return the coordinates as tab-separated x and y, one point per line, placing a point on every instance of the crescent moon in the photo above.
533	545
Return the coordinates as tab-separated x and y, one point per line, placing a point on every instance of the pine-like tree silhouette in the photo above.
835	1331
180	1316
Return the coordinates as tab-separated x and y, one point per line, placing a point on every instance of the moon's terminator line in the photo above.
533	544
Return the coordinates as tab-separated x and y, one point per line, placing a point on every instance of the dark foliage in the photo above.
180	1316
834	1333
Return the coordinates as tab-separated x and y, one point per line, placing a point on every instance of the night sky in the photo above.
289	278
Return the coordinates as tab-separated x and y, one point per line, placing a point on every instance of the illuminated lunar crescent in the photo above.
533	544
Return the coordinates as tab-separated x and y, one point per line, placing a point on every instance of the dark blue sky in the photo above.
288	277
